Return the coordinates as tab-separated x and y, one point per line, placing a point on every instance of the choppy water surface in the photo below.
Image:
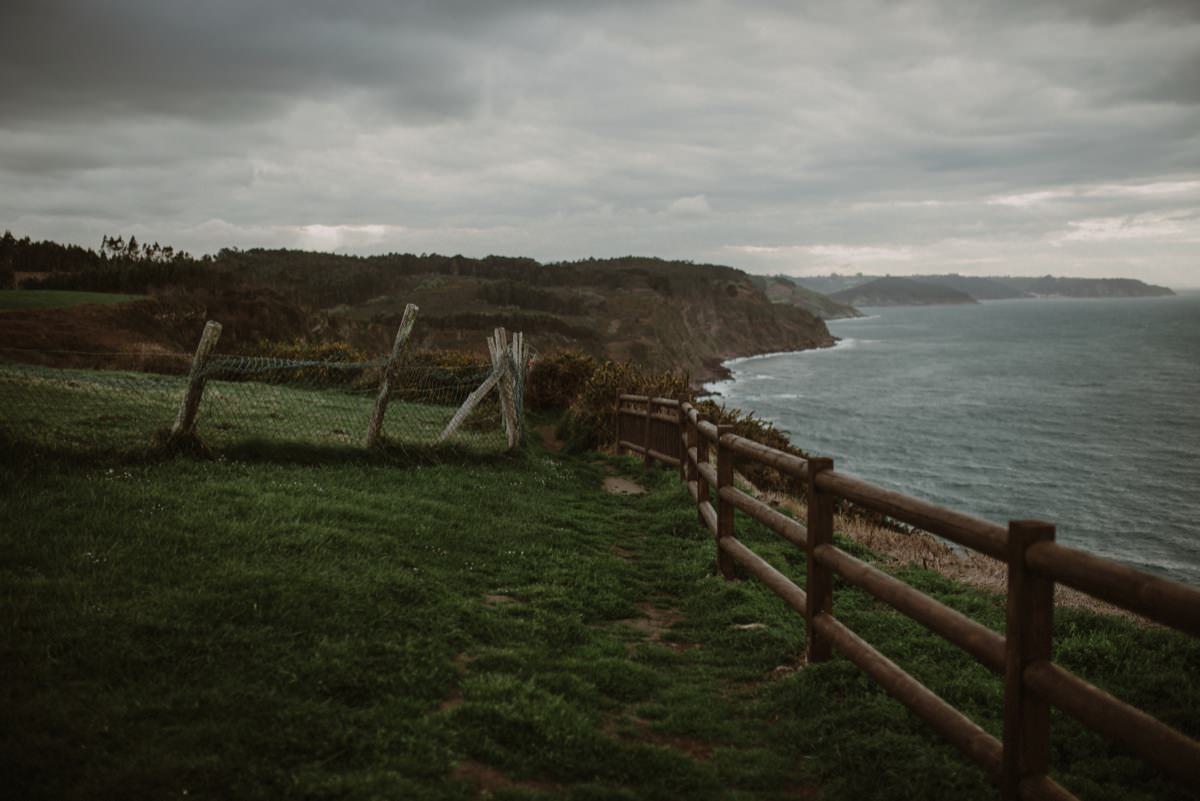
1085	413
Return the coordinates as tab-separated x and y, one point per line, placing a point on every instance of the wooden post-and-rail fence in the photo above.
674	433
510	364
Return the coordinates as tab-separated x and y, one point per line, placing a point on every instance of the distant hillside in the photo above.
782	289
664	314
1049	286
1001	287
976	287
831	284
901	292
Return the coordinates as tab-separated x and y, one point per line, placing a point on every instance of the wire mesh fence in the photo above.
111	402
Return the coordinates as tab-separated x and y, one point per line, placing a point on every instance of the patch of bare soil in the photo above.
632	727
621	553
455	698
619	485
654	623
488	780
549	439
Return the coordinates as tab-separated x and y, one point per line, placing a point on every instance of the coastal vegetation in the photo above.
662	314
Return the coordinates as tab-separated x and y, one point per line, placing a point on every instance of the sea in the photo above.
1083	413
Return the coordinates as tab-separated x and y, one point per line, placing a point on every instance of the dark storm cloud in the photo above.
224	59
773	136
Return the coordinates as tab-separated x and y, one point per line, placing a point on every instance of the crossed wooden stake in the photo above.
509	363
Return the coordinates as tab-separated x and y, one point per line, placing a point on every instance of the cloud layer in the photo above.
978	137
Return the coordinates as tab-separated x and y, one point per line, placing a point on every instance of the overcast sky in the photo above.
978	137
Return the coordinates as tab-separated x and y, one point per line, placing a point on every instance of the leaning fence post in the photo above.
186	417
1028	638
820	582
724	507
385	383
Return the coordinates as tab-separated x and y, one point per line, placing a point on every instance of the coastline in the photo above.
723	374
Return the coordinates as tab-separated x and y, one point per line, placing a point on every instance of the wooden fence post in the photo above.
1028	638
646	460
702	492
502	364
680	422
820	581
724	507
385	383
520	357
186	417
693	441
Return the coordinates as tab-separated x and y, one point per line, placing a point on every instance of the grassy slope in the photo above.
55	299
271	629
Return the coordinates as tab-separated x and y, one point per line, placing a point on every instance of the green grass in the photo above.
11	299
307	627
76	411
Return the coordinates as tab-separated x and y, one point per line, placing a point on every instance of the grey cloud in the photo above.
560	130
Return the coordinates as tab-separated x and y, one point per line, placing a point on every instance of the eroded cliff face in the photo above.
662	314
666	315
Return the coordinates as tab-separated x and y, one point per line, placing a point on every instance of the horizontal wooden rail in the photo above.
973	532
707	472
707	430
778	583
1159	599
633	446
694	490
709	515
783	462
671	402
967	736
665	417
634	398
1043	788
663	457
1146	736
976	639
778	522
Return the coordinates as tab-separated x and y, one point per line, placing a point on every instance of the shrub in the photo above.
556	380
590	421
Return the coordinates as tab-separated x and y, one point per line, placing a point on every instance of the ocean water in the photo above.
1084	413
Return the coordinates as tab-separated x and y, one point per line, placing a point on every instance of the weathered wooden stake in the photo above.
502	364
820	582
385	384
520	355
185	420
468	405
693	441
1028	638
724	507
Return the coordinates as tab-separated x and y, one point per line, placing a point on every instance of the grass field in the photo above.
11	299
291	627
113	411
